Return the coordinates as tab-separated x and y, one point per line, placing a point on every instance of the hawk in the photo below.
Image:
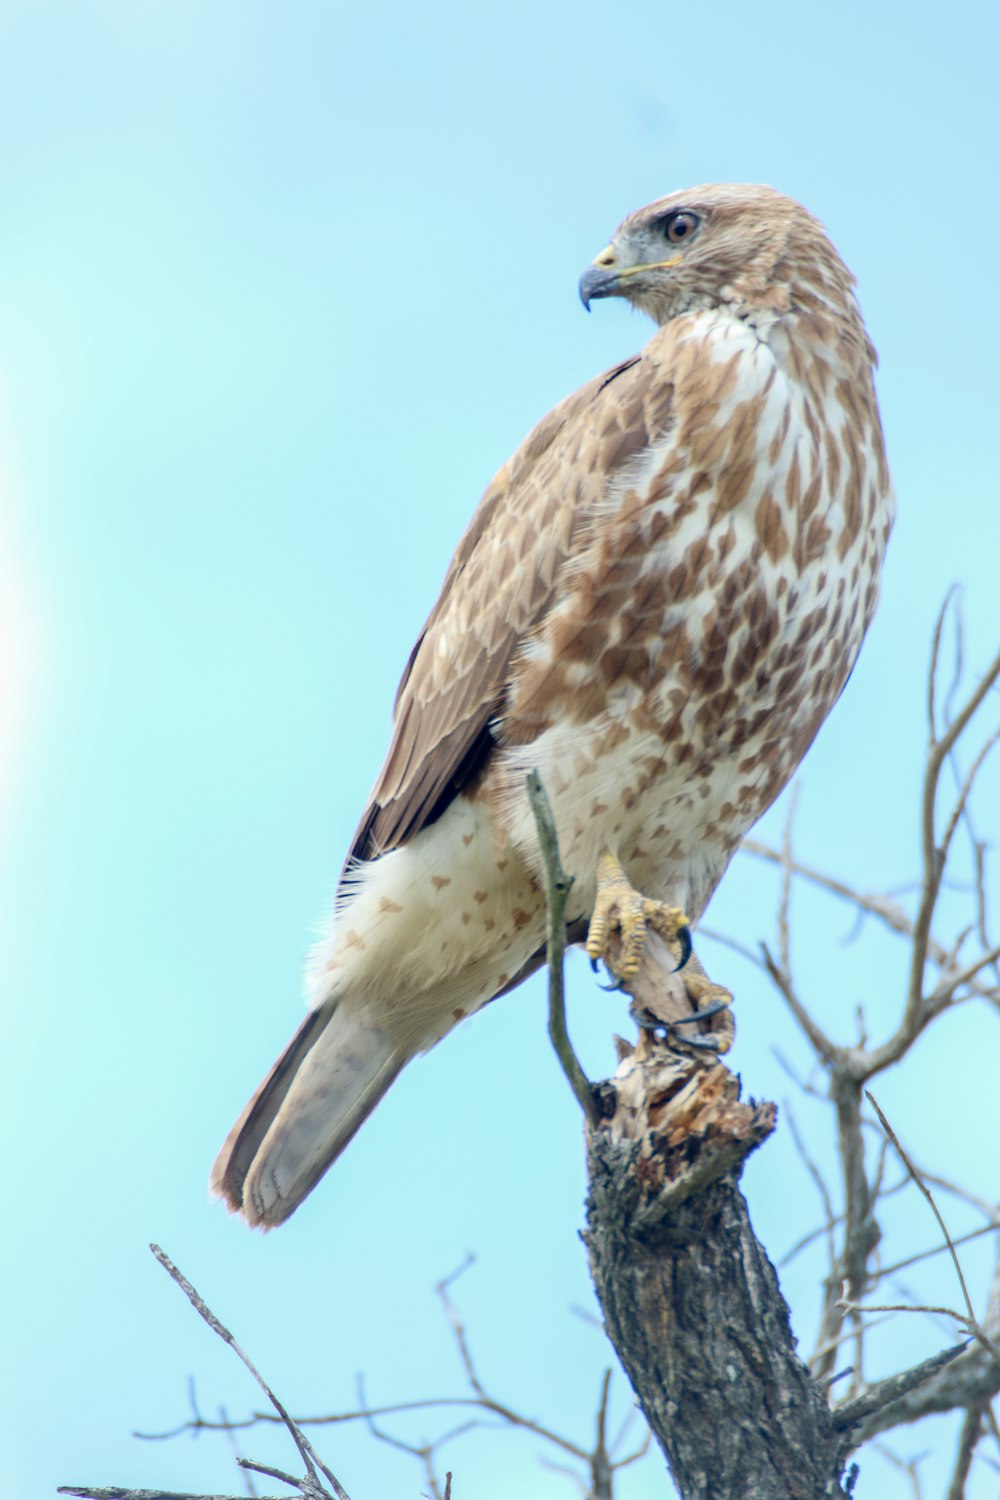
656	604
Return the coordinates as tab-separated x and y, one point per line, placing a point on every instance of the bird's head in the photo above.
727	243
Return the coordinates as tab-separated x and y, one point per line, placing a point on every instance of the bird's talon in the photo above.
703	1043
715	1009
621	910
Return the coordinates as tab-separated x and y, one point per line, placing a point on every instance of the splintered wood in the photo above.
677	1103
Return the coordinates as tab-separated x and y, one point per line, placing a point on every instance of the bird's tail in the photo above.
326	1083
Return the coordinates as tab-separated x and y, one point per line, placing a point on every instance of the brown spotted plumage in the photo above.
656	604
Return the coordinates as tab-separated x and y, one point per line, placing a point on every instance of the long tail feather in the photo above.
318	1093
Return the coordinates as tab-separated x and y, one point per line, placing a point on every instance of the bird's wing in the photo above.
500	584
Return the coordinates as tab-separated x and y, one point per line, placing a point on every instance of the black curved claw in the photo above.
594	965
715	1009
704	1043
686	946
619	984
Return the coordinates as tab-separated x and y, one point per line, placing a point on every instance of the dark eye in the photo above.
680	226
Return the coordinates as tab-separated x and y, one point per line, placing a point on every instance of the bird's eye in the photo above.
680	226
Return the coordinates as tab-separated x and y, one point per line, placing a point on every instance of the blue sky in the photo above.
280	288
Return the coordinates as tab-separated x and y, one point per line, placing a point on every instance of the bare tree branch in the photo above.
599	1463
557	889
116	1492
858	1413
973	1323
972	1429
310	1487
883	907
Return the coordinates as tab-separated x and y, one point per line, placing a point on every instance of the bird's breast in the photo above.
709	625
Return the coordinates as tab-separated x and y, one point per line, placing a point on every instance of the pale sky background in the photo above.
281	286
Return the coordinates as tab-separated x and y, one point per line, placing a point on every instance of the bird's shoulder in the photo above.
525	527
500	582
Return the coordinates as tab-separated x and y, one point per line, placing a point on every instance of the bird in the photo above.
655	605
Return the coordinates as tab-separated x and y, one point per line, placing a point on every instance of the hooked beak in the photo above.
600	279
606	277
596	283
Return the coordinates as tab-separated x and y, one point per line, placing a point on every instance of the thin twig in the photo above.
972	1430
931	1309
237	1455
272	1473
636	1454
330	1419
963	795
960	1239
725	941
824	1047
853	1413
935	655
909	1467
306	1451
841	1337
938	752
117	1492
784	904
882	907
309	1486
423	1451
818	1179
557	889
949	983
484	1400
971	1319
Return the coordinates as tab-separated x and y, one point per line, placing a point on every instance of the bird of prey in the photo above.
656	604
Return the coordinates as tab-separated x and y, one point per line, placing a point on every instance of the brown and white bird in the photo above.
656	604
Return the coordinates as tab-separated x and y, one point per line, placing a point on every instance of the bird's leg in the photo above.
619	907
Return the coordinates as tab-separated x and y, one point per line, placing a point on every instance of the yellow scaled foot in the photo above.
621	910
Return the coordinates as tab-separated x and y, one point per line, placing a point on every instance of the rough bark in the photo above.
690	1299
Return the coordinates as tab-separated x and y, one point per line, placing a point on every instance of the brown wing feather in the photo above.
499	585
